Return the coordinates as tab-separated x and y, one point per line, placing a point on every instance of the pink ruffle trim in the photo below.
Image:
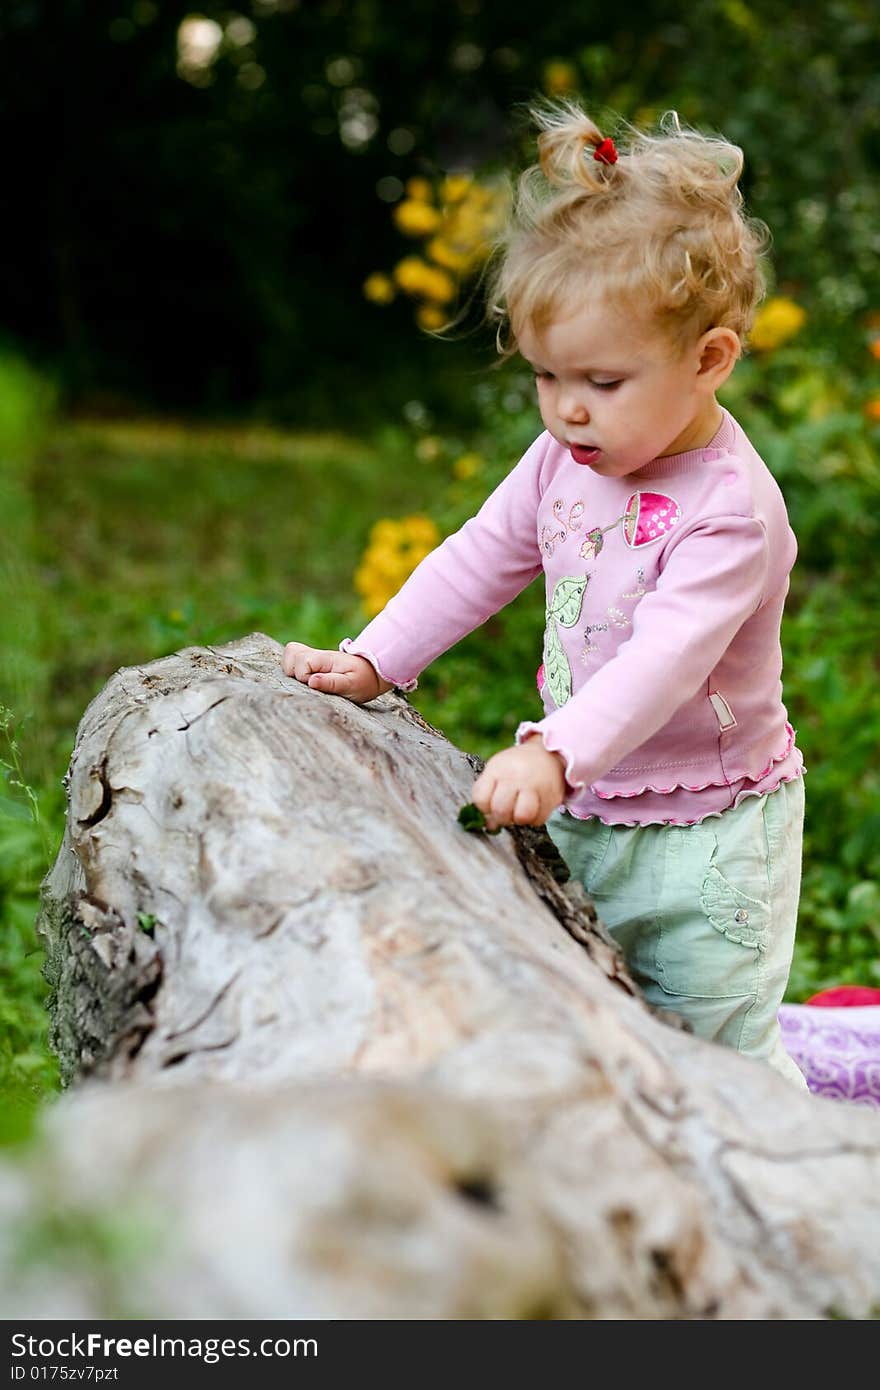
528	728
349	646
664	791
740	796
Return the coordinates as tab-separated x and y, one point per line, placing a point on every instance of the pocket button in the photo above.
736	915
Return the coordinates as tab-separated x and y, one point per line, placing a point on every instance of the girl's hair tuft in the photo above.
566	148
663	227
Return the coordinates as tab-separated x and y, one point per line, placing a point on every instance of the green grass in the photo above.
27	1073
152	536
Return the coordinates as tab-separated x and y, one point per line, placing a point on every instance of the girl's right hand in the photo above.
334	673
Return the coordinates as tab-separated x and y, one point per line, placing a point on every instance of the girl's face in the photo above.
617	393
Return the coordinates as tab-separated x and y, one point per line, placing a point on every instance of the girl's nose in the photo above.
572	407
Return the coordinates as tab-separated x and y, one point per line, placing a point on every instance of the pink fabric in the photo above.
649	515
683	805
662	641
845	996
689	805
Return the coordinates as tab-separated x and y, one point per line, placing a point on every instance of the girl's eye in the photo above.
543	376
606	385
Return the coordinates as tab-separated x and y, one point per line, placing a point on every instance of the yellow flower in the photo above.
384	533
449	256
373	598
378	288
422	529
365	580
437	285
420	189
467	465
775	322
477	217
430	317
559	77
410	274
478	195
416	277
874	348
454	187
872	410
459	239
415	218
393	551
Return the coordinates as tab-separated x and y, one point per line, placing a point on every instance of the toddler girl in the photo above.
664	767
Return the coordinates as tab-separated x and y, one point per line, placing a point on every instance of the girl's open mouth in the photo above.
581	453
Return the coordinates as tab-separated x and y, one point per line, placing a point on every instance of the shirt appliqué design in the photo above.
616	617
564	611
594	542
550	538
649	516
640	585
589	645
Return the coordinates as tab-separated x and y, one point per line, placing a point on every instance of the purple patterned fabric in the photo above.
837	1049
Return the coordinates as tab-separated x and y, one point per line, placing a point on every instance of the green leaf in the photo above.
146	922
557	672
472	818
565	605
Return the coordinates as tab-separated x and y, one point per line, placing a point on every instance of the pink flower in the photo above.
591	546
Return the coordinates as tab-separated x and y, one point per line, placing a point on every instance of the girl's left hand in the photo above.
521	785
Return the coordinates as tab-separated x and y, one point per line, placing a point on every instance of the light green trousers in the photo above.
704	914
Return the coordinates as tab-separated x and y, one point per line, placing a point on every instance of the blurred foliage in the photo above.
27	1073
95	1245
206	247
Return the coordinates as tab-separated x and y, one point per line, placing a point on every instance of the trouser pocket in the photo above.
713	914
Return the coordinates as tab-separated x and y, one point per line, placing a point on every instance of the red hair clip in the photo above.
605	152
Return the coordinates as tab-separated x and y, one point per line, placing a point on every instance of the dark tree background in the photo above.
203	247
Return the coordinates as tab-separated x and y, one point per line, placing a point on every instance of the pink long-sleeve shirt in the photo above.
661	673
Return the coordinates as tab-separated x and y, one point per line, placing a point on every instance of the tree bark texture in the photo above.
344	1059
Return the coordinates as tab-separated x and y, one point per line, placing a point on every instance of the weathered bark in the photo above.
410	1060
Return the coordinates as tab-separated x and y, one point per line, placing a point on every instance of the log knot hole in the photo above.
479	1188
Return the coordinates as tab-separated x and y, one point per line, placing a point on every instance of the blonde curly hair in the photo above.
661	227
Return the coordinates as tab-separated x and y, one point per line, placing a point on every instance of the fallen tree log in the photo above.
281	970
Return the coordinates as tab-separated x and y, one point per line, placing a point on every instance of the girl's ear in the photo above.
718	352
